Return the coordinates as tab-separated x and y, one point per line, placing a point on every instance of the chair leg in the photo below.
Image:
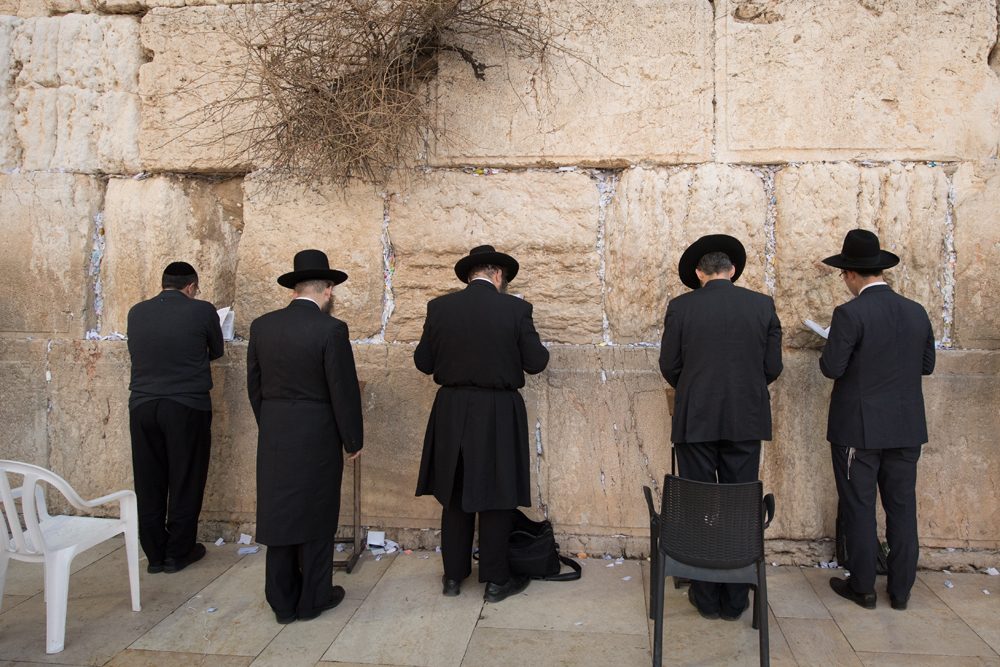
4	559
132	555
57	566
765	644
756	607
656	589
654	548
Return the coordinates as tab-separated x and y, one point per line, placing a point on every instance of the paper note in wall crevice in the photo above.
226	318
817	329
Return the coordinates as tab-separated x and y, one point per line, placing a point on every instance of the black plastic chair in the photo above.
711	532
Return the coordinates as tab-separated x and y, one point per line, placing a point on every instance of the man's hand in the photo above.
354	455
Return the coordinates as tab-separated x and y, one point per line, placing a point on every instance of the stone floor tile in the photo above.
100	622
980	611
602	601
138	658
19	663
910	660
818	642
242	623
790	596
29	578
352	664
11	601
304	642
406	621
501	647
368	571
885	630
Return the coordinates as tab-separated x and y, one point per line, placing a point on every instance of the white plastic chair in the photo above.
55	540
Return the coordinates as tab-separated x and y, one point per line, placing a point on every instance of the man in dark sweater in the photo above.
171	340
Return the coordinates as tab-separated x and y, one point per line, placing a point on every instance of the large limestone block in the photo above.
24	401
597	99
196	65
547	220
843	79
48	221
283	218
23	8
655	215
152	222
977	249
604	427
10	149
76	93
817	204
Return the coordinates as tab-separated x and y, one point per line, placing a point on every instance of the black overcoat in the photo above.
880	345
305	396
478	343
721	348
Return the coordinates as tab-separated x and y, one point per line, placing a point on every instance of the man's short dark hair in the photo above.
314	286
714	263
178	275
868	273
487	268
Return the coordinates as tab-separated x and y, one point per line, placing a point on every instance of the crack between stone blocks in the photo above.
539	456
388	268
607	182
767	175
715	99
95	305
950	264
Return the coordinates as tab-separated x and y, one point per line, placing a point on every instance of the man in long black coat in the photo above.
171	340
304	391
880	345
721	348
479	343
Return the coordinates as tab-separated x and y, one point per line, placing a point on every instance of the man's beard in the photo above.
503	285
328	307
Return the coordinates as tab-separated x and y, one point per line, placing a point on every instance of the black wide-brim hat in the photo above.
712	243
311	265
486	254
861	251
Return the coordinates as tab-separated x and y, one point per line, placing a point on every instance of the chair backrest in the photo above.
22	532
716	526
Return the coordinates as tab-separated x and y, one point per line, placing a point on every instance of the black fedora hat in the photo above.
486	254
311	265
861	251
706	244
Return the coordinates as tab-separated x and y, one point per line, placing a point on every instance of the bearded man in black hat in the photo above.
479	343
171	340
304	391
880	344
721	348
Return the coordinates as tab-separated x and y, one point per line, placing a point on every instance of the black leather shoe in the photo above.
500	592
737	615
172	565
285	619
842	588
154	568
707	615
899	605
451	587
335	599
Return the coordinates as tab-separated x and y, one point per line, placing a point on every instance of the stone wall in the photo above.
783	122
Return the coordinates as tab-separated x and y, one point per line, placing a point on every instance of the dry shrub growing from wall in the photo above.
337	89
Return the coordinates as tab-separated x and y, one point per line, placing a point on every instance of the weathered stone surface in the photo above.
76	93
817	204
890	80
282	219
23	8
547	220
977	249
152	222
10	149
655	215
595	100
196	66
23	401
47	222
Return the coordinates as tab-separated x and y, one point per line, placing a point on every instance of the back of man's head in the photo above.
714	263
312	286
178	275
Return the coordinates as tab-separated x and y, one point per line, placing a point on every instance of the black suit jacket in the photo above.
171	339
303	388
880	345
721	348
478	343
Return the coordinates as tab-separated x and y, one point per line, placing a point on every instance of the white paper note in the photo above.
824	332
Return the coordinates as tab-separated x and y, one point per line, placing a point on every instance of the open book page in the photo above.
824	332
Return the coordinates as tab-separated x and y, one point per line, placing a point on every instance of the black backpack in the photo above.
532	551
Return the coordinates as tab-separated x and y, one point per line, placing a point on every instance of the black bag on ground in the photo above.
532	551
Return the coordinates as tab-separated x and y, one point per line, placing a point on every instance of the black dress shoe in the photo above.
451	587
707	615
154	568
734	617
335	599
500	592
843	588
197	552
899	605
285	619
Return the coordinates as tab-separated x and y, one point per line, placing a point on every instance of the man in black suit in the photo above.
479	343
879	346
721	348
171	340
304	391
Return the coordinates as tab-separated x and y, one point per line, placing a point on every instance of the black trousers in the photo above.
893	472
298	578
171	444
724	462
457	528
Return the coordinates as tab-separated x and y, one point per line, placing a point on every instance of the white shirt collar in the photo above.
307	298
877	282
484	279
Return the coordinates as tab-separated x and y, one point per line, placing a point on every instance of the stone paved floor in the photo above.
213	613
